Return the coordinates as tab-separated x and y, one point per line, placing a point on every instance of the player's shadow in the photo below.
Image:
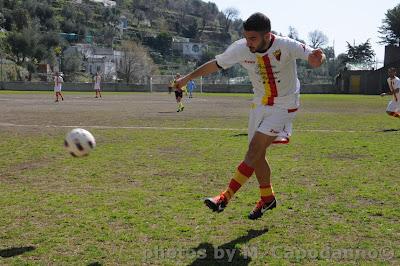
12	252
95	264
167	112
240	135
227	254
389	130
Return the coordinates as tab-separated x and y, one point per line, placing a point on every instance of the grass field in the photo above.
137	199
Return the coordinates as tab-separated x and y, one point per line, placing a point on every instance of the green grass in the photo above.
137	198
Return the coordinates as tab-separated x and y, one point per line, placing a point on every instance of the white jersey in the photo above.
273	74
58	80
97	80
393	85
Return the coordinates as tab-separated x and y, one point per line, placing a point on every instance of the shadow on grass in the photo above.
389	130
168	112
240	135
11	252
227	254
95	264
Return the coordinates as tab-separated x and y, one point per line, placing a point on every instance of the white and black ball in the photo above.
79	142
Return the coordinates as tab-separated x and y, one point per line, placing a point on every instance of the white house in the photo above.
106	3
96	59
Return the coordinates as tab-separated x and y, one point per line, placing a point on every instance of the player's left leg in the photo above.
180	104
267	200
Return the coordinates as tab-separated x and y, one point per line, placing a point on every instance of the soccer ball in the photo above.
79	142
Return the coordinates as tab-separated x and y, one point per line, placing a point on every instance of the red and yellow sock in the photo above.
266	193
395	114
243	173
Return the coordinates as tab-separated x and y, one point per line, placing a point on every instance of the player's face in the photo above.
392	73
257	41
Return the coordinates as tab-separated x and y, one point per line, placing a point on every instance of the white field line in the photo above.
173	128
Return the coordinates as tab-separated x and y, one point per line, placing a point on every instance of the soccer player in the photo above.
178	94
58	80
191	86
271	64
97	80
393	108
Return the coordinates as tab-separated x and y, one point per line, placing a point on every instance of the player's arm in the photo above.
204	70
316	58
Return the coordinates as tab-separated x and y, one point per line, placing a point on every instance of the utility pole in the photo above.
1	71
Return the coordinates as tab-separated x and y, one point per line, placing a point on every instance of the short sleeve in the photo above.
397	84
298	50
232	55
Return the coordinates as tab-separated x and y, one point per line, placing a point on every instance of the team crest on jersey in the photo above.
277	54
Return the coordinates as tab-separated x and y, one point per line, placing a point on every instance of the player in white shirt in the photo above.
393	108
271	64
58	80
97	80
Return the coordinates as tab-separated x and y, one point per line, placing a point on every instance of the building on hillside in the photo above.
96	59
192	50
106	3
123	23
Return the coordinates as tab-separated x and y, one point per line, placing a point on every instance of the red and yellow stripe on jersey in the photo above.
266	73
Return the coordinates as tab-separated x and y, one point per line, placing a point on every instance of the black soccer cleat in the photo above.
216	204
260	208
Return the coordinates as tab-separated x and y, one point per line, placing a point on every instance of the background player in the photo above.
58	80
393	108
178	93
97	80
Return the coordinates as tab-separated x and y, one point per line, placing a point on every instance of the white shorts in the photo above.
393	106
57	88
97	87
271	121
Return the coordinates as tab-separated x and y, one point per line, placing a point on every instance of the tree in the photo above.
21	18
137	64
163	43
317	39
230	14
390	30
294	34
362	53
72	63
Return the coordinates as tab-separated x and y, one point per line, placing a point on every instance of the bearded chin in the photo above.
261	48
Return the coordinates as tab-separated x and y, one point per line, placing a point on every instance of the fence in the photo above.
152	87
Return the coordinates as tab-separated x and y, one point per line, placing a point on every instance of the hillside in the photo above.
34	31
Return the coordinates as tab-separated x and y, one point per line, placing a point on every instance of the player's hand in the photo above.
316	58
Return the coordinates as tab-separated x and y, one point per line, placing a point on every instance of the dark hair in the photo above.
257	22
